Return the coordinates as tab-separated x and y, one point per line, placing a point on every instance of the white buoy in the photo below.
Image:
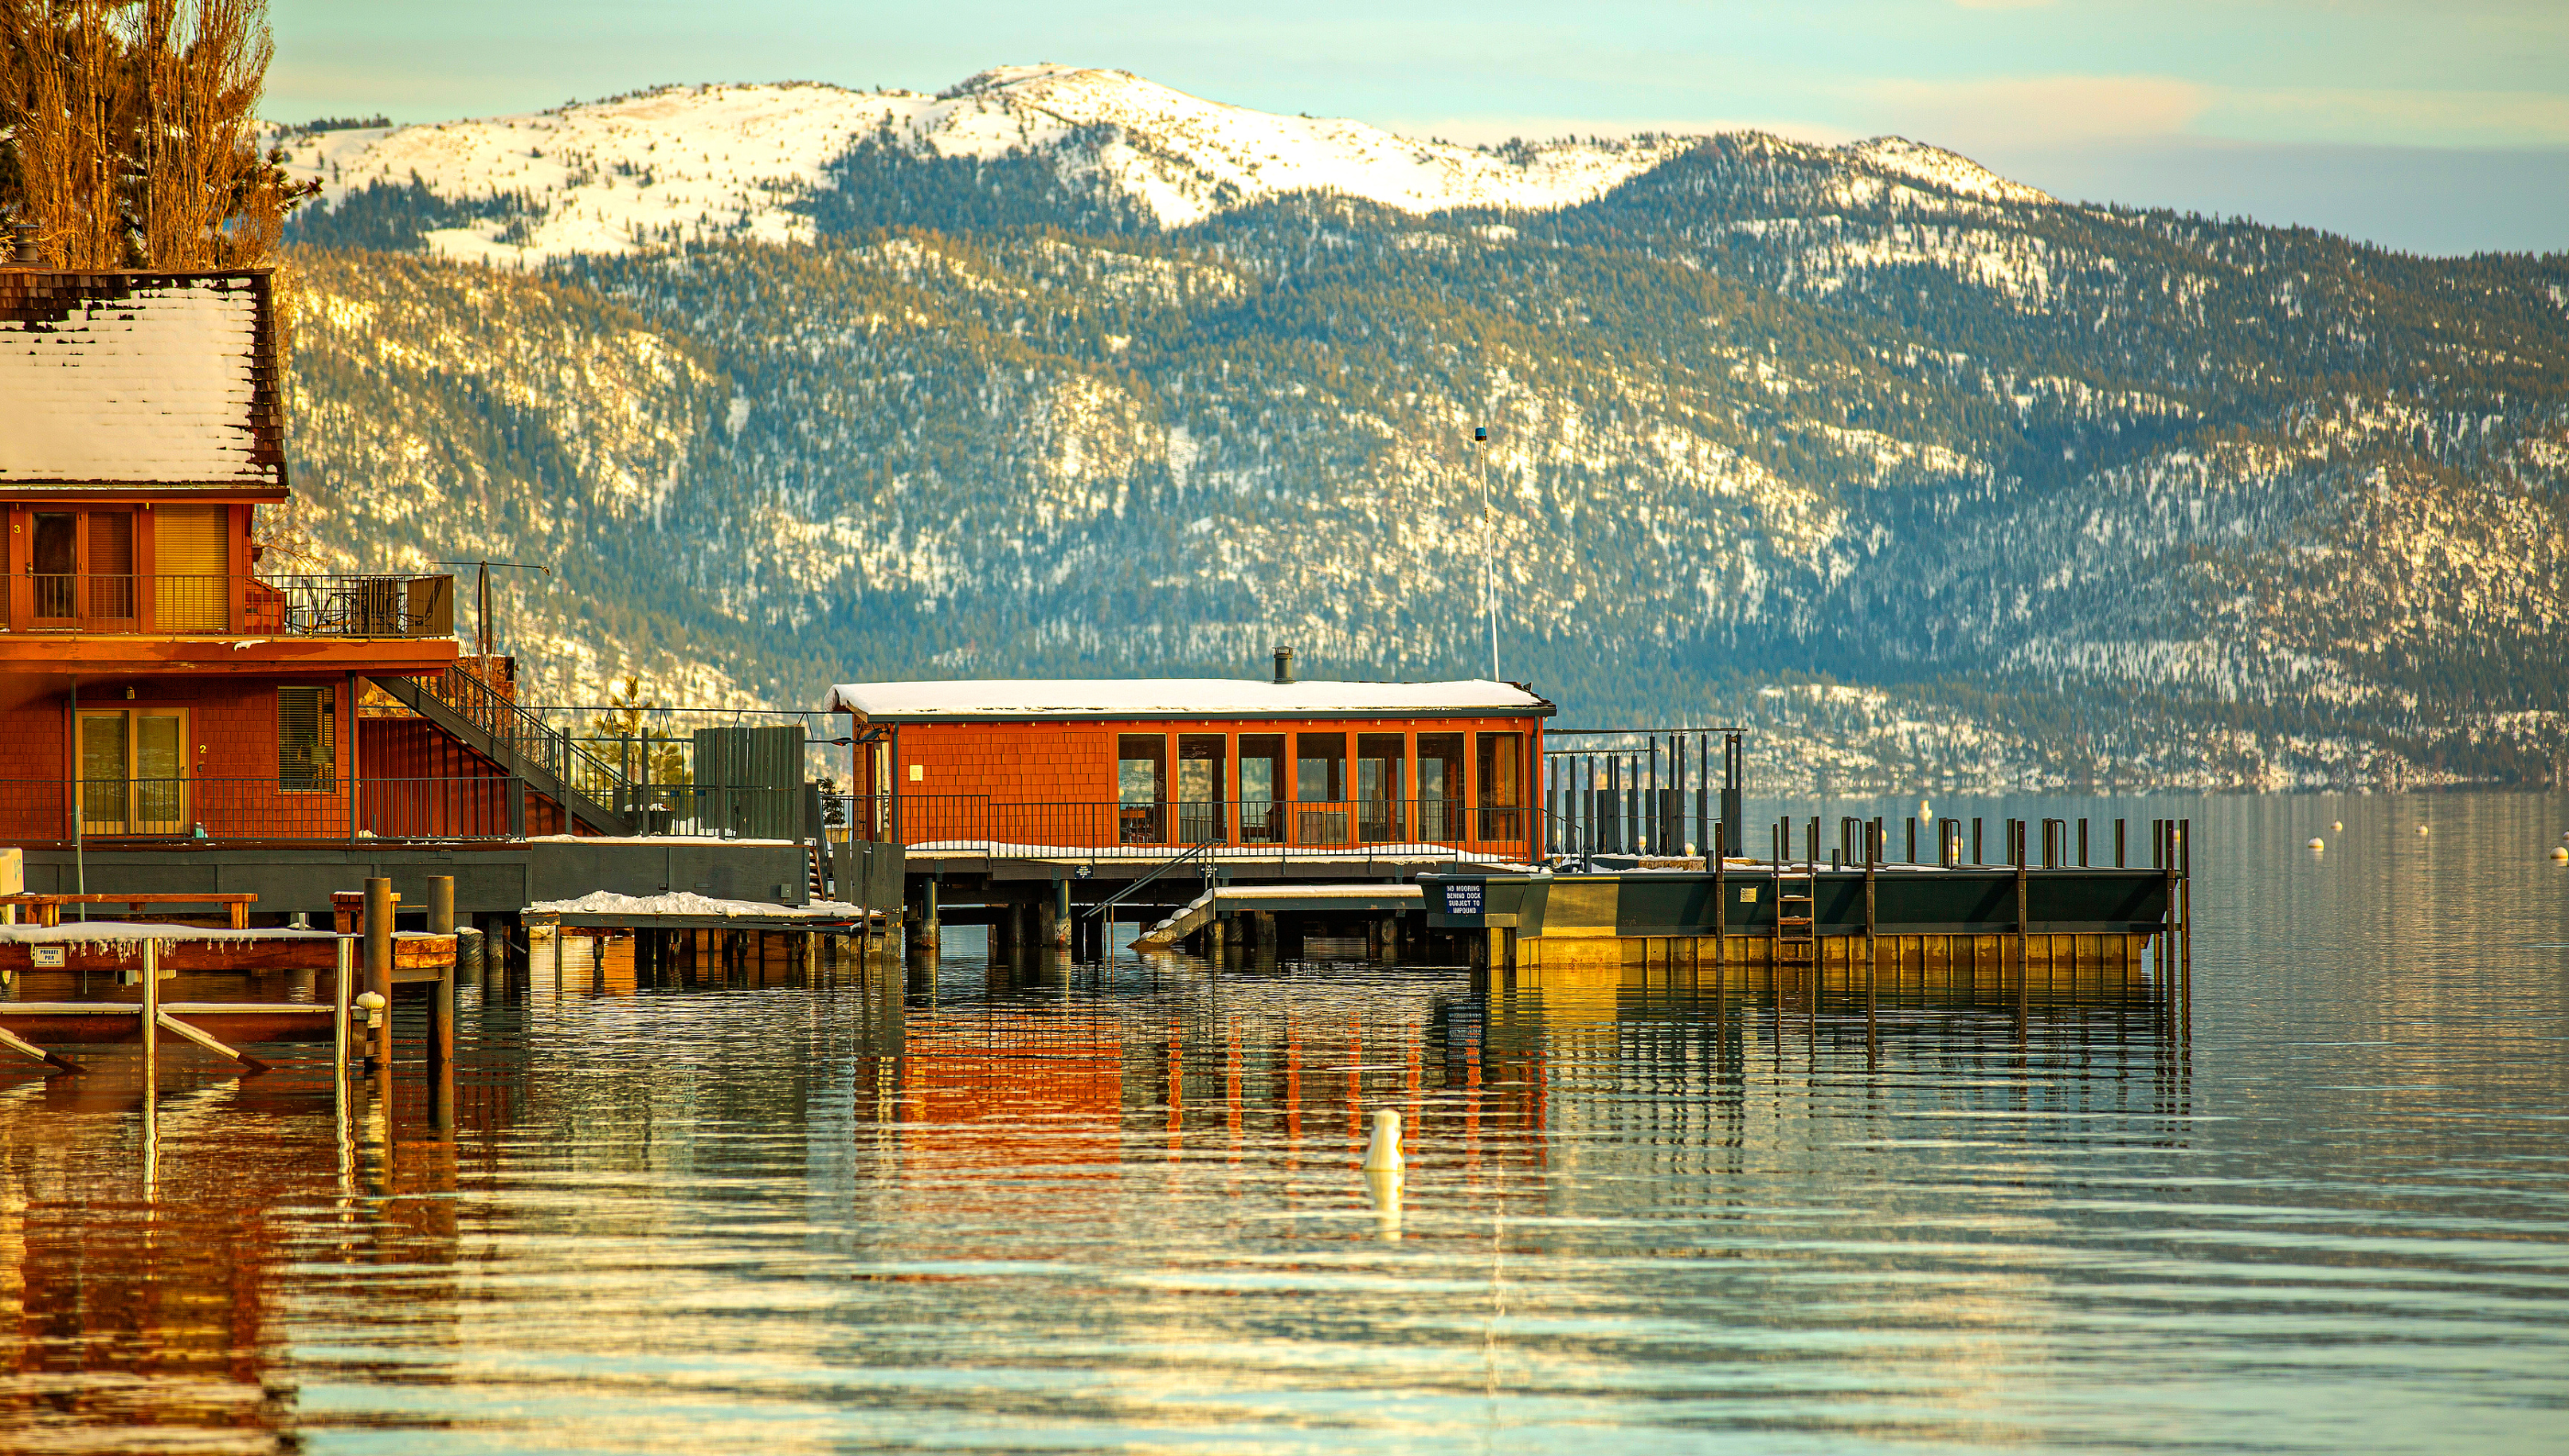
2336	825
2560	852
1382	1155
2319	844
1384	1174
2421	829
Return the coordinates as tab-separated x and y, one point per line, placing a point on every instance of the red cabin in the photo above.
1151	768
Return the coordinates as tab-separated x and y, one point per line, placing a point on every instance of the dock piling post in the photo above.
339	994
151	1022
2082	841
379	962
440	1008
2119	843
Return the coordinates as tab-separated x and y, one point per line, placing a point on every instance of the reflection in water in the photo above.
717	1206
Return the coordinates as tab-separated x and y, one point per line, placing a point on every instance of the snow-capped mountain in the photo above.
697	162
1946	482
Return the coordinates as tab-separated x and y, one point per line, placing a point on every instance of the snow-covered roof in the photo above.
138	379
1176	697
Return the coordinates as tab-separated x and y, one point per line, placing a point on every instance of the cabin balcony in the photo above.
161	604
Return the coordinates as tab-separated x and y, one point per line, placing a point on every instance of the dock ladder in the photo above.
1798	902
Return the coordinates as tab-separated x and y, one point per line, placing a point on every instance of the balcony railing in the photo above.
318	807
975	824
289	606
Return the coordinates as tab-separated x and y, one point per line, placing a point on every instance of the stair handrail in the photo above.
1199	848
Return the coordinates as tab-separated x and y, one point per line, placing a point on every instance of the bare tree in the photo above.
133	132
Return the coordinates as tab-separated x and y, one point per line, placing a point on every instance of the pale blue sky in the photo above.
2437	128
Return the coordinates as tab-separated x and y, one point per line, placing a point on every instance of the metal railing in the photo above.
181	604
1152	830
274	808
522	733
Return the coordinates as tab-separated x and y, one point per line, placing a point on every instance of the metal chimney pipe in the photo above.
24	254
1283	665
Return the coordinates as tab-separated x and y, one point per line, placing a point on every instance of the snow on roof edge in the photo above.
1179	698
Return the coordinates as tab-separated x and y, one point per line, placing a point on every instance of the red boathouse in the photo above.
1148	768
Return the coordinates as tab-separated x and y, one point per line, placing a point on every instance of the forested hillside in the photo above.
1946	482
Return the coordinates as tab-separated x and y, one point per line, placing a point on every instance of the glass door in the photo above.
1378	763
134	773
53	567
159	794
1262	788
1440	787
105	748
1200	796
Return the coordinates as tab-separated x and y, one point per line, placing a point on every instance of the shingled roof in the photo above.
163	381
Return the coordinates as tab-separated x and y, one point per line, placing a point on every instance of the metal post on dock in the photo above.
2082	841
2024	970
1872	944
1977	858
2185	895
379	962
2118	845
1720	925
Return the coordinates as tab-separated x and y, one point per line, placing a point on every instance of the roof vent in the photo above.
24	254
1283	665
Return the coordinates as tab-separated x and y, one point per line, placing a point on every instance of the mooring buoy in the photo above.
1382	1155
2319	844
2560	852
2336	825
2421	829
1384	1174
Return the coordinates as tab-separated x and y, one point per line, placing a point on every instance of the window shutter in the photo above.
190	562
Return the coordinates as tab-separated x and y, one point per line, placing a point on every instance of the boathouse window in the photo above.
307	739
1261	785
1141	785
1440	785
1321	777
1502	783
1378	783
1200	796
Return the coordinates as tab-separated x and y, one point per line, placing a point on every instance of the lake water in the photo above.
1119	1209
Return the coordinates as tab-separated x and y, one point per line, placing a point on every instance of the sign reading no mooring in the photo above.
1462	900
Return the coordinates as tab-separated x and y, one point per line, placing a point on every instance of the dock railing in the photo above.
976	824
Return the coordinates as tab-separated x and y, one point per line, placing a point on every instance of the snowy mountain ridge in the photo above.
686	164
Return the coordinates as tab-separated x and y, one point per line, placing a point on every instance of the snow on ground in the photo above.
688	902
732	160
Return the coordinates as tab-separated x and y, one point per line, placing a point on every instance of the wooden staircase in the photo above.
544	757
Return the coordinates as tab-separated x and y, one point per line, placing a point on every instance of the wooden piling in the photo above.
441	1010
379	962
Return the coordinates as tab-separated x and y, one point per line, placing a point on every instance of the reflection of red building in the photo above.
1284	765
